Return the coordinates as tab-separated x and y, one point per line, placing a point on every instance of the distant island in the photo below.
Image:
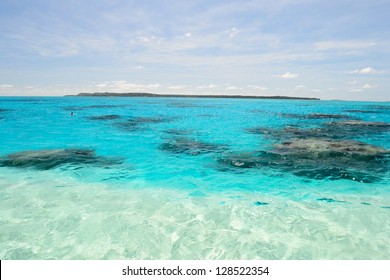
145	94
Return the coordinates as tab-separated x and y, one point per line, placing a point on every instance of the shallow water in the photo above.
157	186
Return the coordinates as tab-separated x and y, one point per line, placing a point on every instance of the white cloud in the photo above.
367	86
232	88
6	86
176	87
186	35
232	32
362	87
124	86
210	86
367	70
289	75
153	86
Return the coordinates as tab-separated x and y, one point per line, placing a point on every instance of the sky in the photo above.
334	49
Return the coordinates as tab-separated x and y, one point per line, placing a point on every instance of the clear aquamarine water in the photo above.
165	204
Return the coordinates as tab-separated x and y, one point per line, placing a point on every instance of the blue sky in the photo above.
335	49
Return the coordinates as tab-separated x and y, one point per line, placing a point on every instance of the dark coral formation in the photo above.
190	147
362	111
347	129
362	124
327	116
325	148
260	203
291	132
189	105
179	132
248	160
48	159
350	129
104	118
317	159
324	152
140	123
73	108
183	105
379	107
329	200
102	106
314	116
3	111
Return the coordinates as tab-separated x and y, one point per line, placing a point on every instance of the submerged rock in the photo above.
289	132
190	147
325	152
355	128
139	123
152	120
2	111
361	124
327	116
365	203
257	111
379	107
361	111
48	159
183	105
347	129
260	203
189	105
103	106
317	159
329	200
322	158
179	132
104	117
73	108
313	147
249	160
314	116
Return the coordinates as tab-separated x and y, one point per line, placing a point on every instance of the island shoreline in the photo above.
145	94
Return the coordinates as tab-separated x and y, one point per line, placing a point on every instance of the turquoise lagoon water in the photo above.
188	178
